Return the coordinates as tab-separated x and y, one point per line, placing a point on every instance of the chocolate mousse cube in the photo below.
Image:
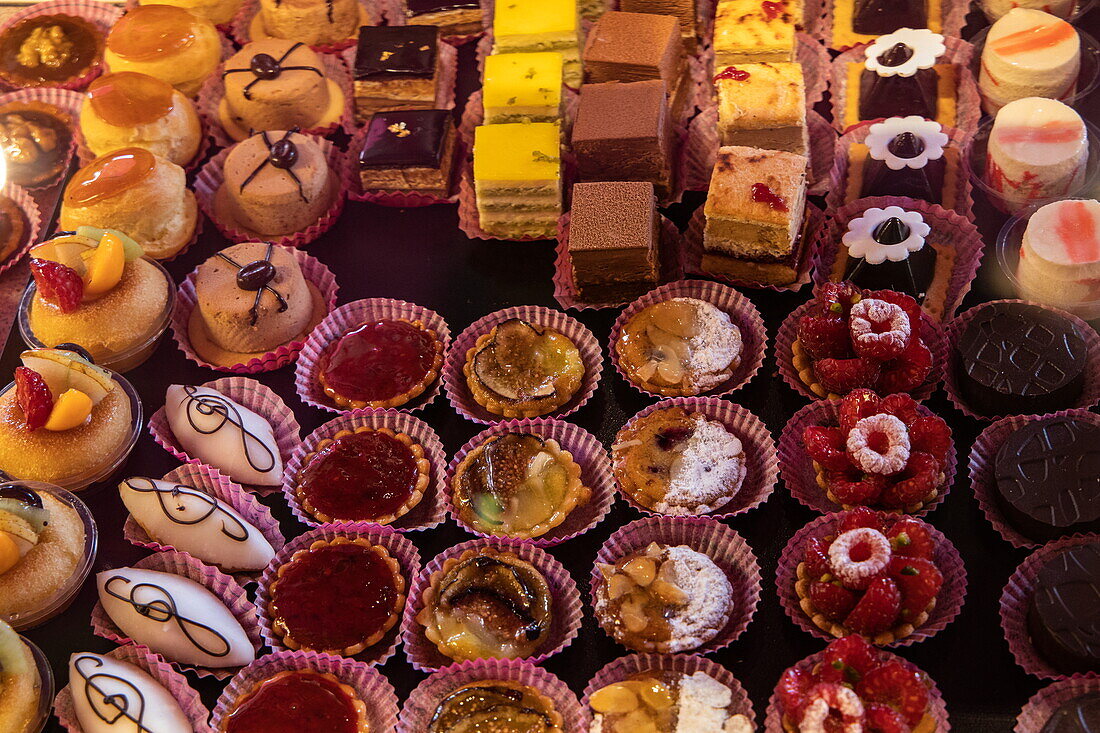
614	241
685	12
396	67
409	150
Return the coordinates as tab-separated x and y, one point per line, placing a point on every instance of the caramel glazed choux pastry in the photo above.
136	192
217	12
315	22
277	85
165	42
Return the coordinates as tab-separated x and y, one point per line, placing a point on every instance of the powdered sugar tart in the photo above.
679	347
666	701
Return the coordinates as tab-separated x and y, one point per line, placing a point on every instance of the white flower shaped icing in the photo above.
927	48
860	237
881	134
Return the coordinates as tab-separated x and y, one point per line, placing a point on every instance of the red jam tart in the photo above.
338	597
298	701
381	364
369	475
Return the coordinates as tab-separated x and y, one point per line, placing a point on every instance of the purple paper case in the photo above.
370	686
429	512
566	610
352	315
395	543
221	585
761	458
422	703
100	14
33	216
1043	703
248	393
953	19
586	450
66	100
726	548
241	29
156	667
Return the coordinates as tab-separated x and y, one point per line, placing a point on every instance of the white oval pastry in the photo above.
223	434
174	616
195	522
112	696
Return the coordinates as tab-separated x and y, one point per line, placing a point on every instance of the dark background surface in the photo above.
420	255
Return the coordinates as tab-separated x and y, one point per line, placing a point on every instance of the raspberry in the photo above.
826	446
879	444
930	434
907	303
853	654
839	298
831	600
853	488
816	556
792	689
915	484
32	394
879	718
861	516
901	406
880	330
831	707
909	371
856	405
843	375
58	284
897	686
919	581
824	336
858	556
877	610
909	537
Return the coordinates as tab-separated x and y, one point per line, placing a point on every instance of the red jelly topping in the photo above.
335	596
362	476
761	194
773	10
299	702
732	72
380	360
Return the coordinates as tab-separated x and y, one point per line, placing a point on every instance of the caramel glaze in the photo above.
129	99
109	175
152	31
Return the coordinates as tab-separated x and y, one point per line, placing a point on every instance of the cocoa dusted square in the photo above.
614	240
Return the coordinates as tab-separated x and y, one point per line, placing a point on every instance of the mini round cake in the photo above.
217	12
275	183
1060	256
49	50
496	705
1028	53
666	701
20	685
277	85
36	140
1063	614
166	42
132	110
315	22
297	701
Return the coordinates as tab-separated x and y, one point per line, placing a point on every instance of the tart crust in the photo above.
360	707
946	90
819	477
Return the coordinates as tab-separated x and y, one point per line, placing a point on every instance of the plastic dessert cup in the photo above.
38	722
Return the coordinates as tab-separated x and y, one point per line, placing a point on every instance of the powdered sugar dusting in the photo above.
716	346
709	594
707	473
703	706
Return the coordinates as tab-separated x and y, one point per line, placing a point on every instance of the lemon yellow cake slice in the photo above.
517	178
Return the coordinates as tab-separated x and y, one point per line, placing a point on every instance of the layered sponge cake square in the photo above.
522	87
613	240
638	47
521	26
751	31
763	106
517	178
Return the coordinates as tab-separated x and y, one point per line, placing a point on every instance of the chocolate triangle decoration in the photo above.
891	231
906	145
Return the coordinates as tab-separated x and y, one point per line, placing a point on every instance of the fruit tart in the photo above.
666	701
49	50
297	701
36	140
886	453
852	338
20	683
522	369
496	705
851	686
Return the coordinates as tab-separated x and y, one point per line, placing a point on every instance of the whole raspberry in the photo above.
908	372
877	610
855	488
919	581
831	600
57	284
827	447
879	444
901	406
832	707
792	689
853	654
931	434
839	297
897	686
841	376
861	516
816	557
858	556
856	405
910	537
907	303
880	330
32	394
915	484
824	336
879	718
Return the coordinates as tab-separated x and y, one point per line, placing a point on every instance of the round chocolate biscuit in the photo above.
1079	715
1064	612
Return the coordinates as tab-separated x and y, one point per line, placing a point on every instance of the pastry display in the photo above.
132	110
517	179
49	50
36	140
662	598
409	150
298	700
13	228
1062	611
1080	714
1018	358
219	12
110	695
525	26
633	47
522	87
763	106
337	596
397	68
754	216
522	369
224	434
1028	53
276	183
195	522
496	705
517	485
1060	255
904	156
664	701
316	22
251	298
20	684
852	339
381	363
614	240
136	192
487	603
676	462
686	13
166	42
453	17
174	616
277	85
753	32
363	475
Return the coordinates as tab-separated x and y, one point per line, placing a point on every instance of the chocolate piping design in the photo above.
164	610
265	70
253	312
232	527
219	405
283	158
120	703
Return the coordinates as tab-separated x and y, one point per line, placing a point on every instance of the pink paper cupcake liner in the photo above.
33	216
947	225
210	481
398	546
959	53
223	586
156	667
761	456
566	617
953	331
949	602
248	393
241	32
66	100
211	178
692	251
428	513
370	685
314	272
937	708
742	312
953	19
586	450
1016	599
1043	703
454	380
352	315
445	86
421	705
686	664
410	199
797	468
725	547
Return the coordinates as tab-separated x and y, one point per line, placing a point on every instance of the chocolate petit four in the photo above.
396	67
904	156
1060	256
165	42
316	22
496	704
522	87
1078	715
614	241
13	227
409	150
664	700
35	140
297	700
524	26
755	31
517	179
1017	358
1028	53
49	49
1063	614
452	17
110	695
859	21
630	47
763	106
686	13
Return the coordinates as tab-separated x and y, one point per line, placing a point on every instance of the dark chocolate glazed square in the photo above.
420	7
406	139
391	52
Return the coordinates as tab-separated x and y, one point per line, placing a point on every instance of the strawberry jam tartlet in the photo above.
886	452
851	338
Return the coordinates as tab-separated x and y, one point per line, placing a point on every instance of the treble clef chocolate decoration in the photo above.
203	404
232	527
160	606
265	67
281	154
111	707
257	276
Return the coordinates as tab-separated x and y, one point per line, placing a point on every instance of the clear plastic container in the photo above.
990	9
45	690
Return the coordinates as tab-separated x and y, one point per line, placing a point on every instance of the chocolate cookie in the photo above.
1064	613
1079	715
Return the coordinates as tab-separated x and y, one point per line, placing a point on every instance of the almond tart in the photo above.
298	700
496	705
